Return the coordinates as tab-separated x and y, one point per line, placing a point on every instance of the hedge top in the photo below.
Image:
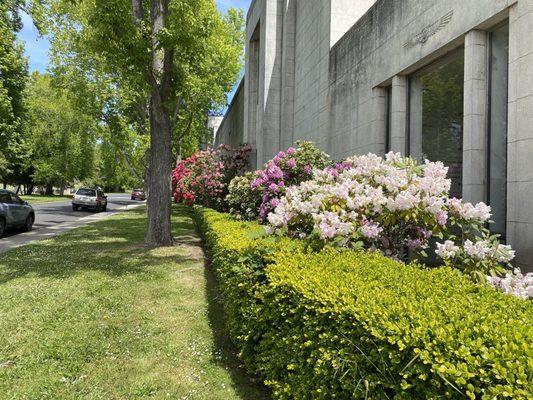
434	327
460	328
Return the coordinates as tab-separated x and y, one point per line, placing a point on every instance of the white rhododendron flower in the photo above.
447	250
391	204
515	283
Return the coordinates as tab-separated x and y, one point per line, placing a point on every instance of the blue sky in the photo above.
37	47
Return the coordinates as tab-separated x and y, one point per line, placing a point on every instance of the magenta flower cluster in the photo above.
287	168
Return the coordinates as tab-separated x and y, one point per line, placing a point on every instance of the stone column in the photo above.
520	134
475	117
269	118
288	73
379	119
251	92
398	123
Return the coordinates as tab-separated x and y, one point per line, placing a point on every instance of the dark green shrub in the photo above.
342	325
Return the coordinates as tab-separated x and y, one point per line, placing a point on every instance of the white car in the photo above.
91	198
14	213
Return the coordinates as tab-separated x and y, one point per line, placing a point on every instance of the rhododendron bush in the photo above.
203	178
287	168
242	201
514	283
395	206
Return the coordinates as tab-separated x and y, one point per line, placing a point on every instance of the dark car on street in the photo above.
138	194
14	212
92	198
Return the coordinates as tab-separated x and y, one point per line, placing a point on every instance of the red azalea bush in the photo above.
203	178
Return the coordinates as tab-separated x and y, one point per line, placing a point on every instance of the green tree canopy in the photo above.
157	66
13	74
61	138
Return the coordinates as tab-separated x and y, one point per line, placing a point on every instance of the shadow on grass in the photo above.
246	387
113	246
225	353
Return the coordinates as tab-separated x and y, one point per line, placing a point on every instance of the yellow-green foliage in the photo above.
342	325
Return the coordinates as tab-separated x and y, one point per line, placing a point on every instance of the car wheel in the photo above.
75	208
2	227
29	223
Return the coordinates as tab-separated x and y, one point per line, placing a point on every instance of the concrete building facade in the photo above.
448	80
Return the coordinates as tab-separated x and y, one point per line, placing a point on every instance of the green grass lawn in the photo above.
38	199
92	314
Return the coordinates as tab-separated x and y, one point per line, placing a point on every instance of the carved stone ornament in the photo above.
430	30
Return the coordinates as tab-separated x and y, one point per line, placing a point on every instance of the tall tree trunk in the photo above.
160	75
159	200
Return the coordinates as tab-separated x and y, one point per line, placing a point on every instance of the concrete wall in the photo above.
396	38
319	24
286	71
337	73
520	128
231	129
390	41
311	70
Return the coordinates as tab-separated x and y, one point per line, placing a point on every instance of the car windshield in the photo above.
5	198
137	190
86	192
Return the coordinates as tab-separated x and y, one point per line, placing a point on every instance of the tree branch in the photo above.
130	165
138	12
168	58
175	113
168	67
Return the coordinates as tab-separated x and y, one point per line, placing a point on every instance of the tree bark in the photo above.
159	76
159	200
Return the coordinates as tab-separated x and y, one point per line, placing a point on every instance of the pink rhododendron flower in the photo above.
203	177
388	204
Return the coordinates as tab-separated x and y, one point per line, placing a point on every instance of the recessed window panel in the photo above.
497	154
436	116
388	132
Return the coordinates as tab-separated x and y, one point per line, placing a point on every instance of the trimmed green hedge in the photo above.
343	325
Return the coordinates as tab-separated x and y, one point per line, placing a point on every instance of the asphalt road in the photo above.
58	217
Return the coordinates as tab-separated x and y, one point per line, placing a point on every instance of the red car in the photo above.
138	194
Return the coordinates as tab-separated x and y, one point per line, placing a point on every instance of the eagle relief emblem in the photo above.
430	30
